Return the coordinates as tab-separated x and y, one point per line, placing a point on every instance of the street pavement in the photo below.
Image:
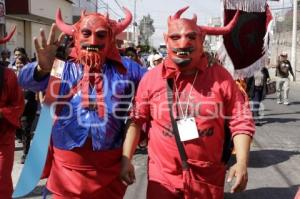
274	166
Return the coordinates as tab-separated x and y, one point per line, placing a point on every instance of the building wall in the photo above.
18	40
89	5
28	27
79	5
47	8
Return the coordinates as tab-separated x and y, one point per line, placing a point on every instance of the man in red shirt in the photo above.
204	94
11	109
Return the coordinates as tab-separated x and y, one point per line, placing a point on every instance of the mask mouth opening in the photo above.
183	52
93	48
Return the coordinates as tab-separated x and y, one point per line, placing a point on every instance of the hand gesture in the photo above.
127	174
46	51
239	171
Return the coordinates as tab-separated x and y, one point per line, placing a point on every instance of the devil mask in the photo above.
185	38
93	35
94	43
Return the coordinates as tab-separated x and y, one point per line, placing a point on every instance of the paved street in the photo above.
274	166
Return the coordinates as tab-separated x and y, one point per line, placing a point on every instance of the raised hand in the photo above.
46	50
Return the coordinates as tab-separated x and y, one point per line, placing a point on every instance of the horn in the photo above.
221	30
120	26
106	16
179	13
68	29
8	37
194	19
83	13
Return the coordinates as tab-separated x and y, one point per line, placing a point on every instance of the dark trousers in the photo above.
257	98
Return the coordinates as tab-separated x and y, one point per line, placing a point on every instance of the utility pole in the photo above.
107	9
96	5
294	39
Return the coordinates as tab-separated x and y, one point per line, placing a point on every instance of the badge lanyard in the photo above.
187	125
184	114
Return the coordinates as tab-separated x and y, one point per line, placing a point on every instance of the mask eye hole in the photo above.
192	36
86	33
101	34
174	37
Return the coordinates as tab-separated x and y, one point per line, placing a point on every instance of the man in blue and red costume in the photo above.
202	96
11	109
88	133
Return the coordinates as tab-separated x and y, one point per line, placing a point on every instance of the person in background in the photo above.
131	53
19	51
29	113
4	58
150	57
11	109
17	66
283	70
156	60
256	89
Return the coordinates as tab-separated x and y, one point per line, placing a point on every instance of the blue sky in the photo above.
161	9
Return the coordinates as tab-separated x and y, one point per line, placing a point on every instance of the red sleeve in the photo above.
238	109
15	106
140	112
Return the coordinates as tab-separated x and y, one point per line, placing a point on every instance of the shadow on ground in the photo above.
265	193
266	158
268	120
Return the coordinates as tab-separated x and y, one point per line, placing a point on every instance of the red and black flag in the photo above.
247	43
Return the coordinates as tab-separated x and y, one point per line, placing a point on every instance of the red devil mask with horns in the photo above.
94	34
94	37
185	38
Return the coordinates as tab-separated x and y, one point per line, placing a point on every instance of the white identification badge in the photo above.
187	129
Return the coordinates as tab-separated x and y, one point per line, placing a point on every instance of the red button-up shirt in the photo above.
214	97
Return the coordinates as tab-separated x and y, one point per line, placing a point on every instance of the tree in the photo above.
146	29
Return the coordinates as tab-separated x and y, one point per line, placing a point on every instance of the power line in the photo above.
109	8
118	4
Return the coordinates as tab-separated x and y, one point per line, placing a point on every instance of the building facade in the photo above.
30	16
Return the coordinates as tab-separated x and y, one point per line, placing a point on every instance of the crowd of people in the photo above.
113	97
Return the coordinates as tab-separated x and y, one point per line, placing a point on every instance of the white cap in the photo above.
157	57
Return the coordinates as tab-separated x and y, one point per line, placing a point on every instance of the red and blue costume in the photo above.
88	133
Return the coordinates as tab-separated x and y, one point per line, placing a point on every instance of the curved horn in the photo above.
68	29
106	16
83	13
194	19
179	13
120	26
8	37
221	30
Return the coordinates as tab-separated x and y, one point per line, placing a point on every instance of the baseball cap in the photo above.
157	57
